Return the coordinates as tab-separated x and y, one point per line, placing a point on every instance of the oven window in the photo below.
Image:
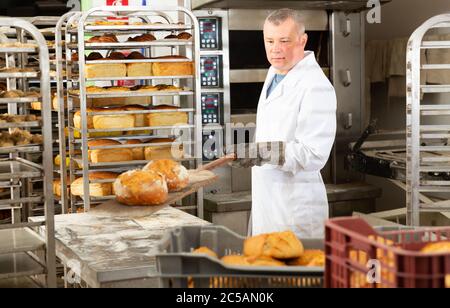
245	97
247	50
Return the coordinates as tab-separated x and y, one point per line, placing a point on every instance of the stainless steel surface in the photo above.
416	167
347	76
121	250
248	76
344	5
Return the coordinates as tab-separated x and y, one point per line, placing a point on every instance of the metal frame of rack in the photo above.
425	138
188	100
20	245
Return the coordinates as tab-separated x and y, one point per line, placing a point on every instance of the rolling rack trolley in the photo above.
187	97
20	245
427	152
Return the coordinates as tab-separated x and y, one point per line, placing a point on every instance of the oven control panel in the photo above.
211	71
210	33
212	108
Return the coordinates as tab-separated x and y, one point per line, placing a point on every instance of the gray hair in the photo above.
279	16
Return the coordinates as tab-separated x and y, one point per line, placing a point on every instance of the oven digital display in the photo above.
211	72
210	37
211	103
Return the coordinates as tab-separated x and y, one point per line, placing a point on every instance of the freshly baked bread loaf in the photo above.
57	188
173	68
312	257
115	55
141	188
135	55
113	121
171	37
138	153
164	151
108	155
139	69
184	36
438	247
279	245
95	189
94	56
106	38
205	251
140	119
142	38
177	176
167	118
106	70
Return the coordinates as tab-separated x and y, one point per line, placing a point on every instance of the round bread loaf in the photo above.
177	176
141	188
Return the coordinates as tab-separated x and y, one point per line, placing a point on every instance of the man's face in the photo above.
285	45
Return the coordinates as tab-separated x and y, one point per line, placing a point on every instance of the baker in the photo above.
295	132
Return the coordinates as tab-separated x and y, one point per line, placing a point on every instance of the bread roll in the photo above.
141	188
95	189
167	118
163	151
206	251
438	247
279	245
309	258
138	153
108	155
235	260
177	176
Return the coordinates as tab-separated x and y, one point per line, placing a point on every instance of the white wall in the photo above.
398	19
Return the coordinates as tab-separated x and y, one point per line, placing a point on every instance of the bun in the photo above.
205	251
142	38
176	175
279	245
439	247
184	36
309	258
141	188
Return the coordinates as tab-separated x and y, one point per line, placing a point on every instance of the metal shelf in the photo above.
17	170
20	124
18	100
139	78
131	129
134	61
18	49
15	203
129	94
19	240
19	265
19	75
132	28
134	45
21	149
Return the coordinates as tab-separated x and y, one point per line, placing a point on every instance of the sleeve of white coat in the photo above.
315	132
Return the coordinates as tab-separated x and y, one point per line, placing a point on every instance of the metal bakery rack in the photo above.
186	97
20	244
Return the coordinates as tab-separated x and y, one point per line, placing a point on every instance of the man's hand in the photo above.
257	154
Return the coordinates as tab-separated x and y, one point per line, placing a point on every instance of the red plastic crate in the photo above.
395	257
